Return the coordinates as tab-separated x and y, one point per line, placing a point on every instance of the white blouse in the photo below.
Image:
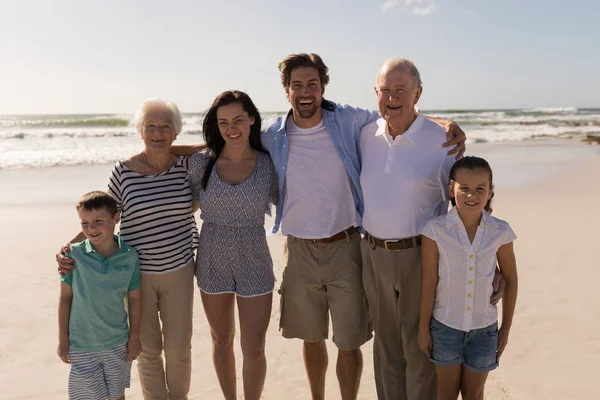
466	270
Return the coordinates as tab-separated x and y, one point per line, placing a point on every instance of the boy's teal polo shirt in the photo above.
98	318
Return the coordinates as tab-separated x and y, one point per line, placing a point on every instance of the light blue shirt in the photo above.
343	123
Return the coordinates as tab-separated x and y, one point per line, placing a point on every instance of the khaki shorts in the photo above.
320	279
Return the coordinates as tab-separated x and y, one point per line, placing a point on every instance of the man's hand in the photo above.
65	264
456	137
502	342
134	348
63	352
424	340
498	287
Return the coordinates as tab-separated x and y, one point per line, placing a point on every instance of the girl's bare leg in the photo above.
472	384
448	381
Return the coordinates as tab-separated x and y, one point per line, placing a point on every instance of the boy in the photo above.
92	320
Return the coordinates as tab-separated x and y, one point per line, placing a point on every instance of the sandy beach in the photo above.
547	190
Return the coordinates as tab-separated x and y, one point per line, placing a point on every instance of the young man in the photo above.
94	336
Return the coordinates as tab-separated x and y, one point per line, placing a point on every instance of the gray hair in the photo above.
140	115
402	63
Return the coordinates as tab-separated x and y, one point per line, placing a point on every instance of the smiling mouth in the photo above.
394	108
471	203
94	235
305	103
234	136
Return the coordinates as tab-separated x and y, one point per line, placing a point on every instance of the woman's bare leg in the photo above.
255	313
219	309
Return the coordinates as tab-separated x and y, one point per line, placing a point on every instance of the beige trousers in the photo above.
392	281
169	297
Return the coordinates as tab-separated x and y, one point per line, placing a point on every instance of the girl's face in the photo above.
234	124
471	189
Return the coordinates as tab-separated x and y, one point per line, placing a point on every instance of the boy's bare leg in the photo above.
315	362
349	371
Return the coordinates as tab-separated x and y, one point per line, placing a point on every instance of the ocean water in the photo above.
33	141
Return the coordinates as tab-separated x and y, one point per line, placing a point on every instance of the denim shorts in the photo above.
475	349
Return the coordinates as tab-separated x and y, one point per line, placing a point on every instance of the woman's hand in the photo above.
65	264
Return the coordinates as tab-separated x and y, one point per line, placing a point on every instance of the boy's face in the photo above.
98	226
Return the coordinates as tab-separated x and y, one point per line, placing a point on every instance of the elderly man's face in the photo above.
158	131
305	93
397	95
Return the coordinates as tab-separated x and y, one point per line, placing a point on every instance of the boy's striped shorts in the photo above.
99	375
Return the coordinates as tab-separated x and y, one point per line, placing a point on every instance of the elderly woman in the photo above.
155	199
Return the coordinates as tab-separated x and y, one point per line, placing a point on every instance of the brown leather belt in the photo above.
395	244
338	236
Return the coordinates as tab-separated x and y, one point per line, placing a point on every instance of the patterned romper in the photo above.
233	256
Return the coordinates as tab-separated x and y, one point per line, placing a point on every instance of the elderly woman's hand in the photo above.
65	264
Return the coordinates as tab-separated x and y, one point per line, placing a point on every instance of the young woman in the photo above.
235	183
458	326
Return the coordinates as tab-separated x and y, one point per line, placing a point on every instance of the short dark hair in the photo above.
472	163
97	200
212	135
301	60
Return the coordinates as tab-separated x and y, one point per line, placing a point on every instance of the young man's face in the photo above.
98	225
305	92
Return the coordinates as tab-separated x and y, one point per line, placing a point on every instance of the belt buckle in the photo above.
385	244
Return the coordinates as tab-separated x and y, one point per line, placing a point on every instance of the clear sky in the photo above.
104	56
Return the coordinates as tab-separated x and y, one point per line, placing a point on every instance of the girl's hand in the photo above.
424	341
63	352
134	348
502	342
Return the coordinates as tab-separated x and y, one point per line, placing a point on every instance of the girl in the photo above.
458	327
235	183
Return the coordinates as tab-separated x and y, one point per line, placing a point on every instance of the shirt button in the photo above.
470	282
469	295
469	308
471	255
471	268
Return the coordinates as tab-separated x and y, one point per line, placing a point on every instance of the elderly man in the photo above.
404	179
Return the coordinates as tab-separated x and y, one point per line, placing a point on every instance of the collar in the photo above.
452	218
410	134
326	105
87	247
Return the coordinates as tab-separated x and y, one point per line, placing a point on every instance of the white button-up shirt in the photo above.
404	179
466	270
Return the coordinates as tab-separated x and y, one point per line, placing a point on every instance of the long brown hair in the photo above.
212	135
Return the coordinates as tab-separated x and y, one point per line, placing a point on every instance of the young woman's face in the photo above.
471	189
234	124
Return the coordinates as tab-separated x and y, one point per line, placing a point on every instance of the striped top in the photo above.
156	216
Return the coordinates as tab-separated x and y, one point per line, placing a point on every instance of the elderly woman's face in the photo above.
158	131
